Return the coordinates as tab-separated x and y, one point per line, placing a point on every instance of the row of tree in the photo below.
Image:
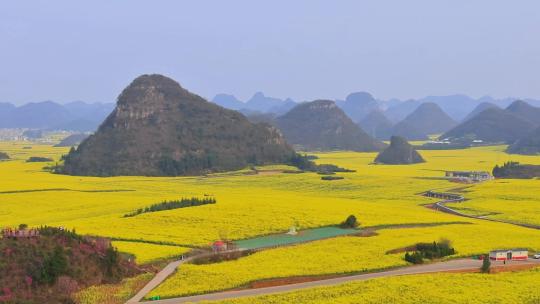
516	170
175	204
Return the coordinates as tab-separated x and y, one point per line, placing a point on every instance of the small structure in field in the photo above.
445	196
518	254
468	176
221	246
292	231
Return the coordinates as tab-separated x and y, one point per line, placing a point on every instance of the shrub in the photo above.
53	266
414	258
486	265
330	177
430	251
350	222
3	156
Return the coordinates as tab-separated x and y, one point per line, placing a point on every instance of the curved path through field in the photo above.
457	198
448	266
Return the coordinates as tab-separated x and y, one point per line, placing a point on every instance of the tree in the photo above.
486	265
53	266
111	260
23	226
350	222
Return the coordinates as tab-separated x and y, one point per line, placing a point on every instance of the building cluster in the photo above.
468	176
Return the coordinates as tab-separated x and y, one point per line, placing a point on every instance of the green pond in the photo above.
286	239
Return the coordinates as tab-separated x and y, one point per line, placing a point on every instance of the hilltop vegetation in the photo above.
160	129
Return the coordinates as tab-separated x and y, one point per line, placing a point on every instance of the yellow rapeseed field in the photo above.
507	288
147	253
250	205
342	255
113	293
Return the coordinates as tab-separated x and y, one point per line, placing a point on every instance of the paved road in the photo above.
453	265
161	276
441	206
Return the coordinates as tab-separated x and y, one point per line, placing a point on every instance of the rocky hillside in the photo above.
159	128
321	125
426	120
529	145
492	125
400	152
377	125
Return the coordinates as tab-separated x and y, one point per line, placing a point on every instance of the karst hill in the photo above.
159	128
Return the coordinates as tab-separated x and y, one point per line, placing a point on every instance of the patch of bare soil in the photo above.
269	172
367	232
289	281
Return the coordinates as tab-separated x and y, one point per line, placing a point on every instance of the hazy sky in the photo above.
90	50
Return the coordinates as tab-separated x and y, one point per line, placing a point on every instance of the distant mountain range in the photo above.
413	119
359	105
48	115
257	104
